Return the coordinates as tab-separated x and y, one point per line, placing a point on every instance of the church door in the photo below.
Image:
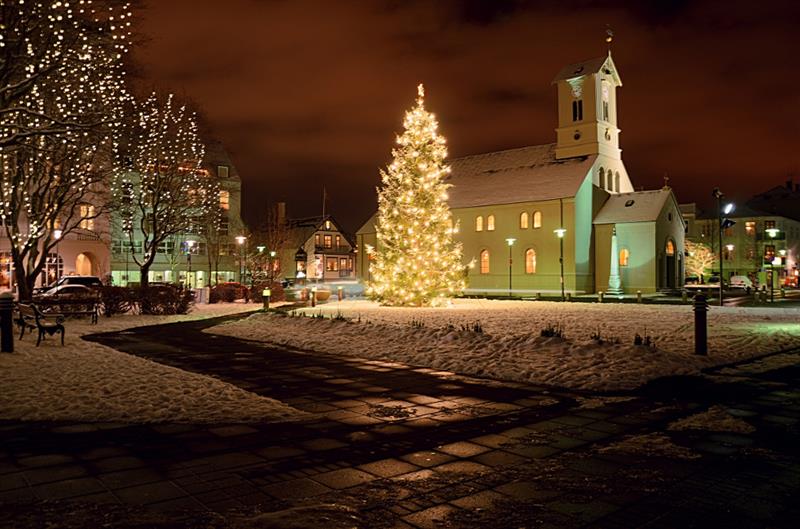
670	264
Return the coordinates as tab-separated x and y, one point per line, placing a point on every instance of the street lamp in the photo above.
510	242
241	240
560	232
189	245
722	225
272	254
57	234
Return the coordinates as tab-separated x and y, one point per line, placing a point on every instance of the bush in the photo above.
116	300
164	299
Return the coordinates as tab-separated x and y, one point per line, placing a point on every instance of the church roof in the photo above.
587	67
639	206
527	174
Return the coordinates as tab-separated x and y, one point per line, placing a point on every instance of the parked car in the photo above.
742	282
68	292
692	280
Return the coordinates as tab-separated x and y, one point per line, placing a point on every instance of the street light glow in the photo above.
240	239
772	232
510	241
729	247
57	234
728	208
560	232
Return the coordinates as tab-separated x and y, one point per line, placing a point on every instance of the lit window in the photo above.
624	257
479	223
537	219
316	239
523	220
485	262
769	252
601	180
327	224
338	241
332	264
530	261
224	199
87	217
670	248
222	171
750	228
328	241
490	223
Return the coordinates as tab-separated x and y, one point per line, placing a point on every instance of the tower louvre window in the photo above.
577	110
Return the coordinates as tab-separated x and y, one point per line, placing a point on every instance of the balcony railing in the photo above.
341	250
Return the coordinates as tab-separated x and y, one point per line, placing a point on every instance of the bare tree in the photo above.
161	186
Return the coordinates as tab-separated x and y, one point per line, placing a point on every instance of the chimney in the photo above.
281	213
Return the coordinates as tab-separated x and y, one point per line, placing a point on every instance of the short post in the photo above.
600	297
340	293
684	296
538	296
569	296
700	325
266	293
638	296
783	293
314	297
6	322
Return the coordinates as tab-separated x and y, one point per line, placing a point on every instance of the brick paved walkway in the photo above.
397	446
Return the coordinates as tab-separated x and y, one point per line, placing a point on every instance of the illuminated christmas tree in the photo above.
416	262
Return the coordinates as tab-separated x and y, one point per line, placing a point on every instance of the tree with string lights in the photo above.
416	262
61	92
699	258
160	187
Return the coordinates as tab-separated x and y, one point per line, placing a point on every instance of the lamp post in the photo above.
272	254
510	242
57	234
560	232
721	226
773	233
189	245
241	240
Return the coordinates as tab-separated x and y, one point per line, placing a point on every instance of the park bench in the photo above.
30	317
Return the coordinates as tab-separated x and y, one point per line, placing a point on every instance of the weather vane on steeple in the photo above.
609	37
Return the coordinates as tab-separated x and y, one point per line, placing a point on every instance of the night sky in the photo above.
306	93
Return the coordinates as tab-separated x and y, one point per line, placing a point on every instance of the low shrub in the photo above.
164	299
277	292
116	300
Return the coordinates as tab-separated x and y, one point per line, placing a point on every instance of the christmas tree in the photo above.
416	262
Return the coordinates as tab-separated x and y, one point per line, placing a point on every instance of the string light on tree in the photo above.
416	262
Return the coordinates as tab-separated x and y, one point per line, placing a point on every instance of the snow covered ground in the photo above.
85	381
511	346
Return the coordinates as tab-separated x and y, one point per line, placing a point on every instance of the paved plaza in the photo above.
390	445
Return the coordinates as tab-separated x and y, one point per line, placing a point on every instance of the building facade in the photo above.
318	250
542	216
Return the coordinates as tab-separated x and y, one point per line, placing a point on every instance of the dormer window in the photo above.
577	110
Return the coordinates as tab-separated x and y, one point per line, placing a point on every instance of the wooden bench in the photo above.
70	307
29	317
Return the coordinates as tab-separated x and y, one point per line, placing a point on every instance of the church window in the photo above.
490	223
577	110
605	100
624	257
537	219
530	261
484	261
479	223
601	183
670	249
750	228
523	220
616	181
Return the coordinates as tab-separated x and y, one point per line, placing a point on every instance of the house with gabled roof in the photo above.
319	250
534	218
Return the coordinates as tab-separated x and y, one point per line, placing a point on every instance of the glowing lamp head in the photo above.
772	232
261	248
57	234
729	207
272	253
511	241
560	232
190	244
782	252
729	247
240	239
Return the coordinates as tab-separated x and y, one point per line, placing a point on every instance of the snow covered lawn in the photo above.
511	346
85	381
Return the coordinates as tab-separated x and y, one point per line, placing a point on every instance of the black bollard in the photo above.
700	325
6	322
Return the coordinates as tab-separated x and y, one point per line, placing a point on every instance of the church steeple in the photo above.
587	109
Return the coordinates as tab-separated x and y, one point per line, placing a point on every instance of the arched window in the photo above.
624	256
601	180
484	261
530	261
616	181
523	220
479	223
490	223
670	249
537	219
